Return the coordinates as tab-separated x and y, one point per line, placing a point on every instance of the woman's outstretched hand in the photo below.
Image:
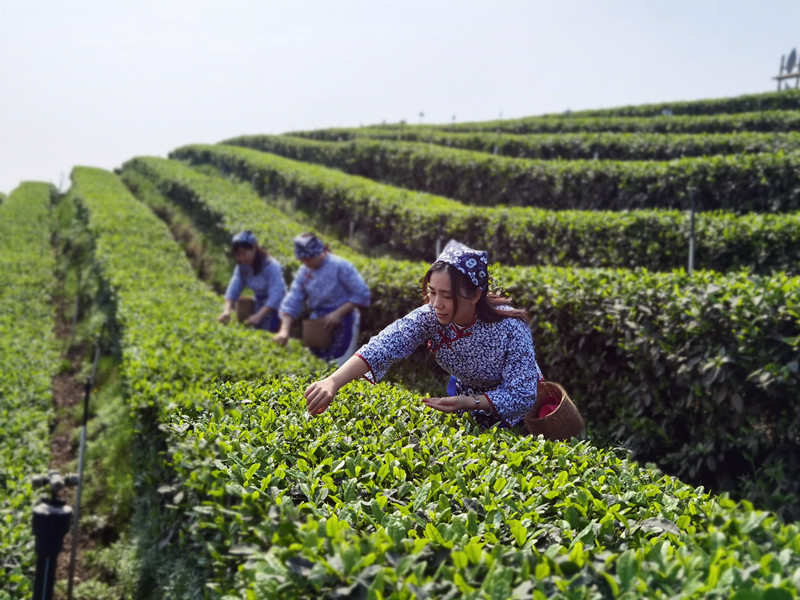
319	395
447	404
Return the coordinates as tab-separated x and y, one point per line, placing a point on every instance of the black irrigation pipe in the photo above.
81	454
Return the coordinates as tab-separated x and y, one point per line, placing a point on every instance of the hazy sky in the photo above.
97	82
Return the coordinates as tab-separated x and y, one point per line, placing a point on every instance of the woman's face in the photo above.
440	297
245	255
314	262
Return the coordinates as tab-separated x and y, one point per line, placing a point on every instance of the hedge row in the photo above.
767	101
379	497
411	223
664	361
740	183
764	121
161	306
28	363
577	146
173	350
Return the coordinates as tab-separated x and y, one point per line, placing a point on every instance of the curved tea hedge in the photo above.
738	183
768	101
574	146
380	498
764	121
411	223
624	344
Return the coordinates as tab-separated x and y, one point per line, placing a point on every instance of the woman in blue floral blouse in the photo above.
476	336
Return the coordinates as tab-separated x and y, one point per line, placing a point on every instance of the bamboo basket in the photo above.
563	423
245	307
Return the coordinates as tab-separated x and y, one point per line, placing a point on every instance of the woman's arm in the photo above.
450	404
232	293
320	394
225	316
282	335
256	317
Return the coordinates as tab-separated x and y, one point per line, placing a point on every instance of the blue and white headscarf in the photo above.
244	237
307	245
472	263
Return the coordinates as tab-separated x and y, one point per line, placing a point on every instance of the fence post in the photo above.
692	192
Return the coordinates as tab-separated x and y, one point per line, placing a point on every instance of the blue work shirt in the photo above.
335	282
268	285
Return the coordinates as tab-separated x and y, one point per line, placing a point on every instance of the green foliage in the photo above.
241	494
411	223
379	497
768	101
28	361
764	121
740	183
573	146
206	245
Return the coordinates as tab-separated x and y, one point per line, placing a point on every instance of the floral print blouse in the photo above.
496	359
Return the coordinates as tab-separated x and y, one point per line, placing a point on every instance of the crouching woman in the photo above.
334	290
261	273
476	336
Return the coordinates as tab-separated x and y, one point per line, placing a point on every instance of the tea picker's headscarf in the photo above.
308	245
472	263
244	237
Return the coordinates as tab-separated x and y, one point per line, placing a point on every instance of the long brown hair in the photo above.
488	304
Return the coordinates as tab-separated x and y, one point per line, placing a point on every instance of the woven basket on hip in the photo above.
561	424
314	333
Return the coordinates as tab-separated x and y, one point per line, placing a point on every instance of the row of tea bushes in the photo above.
172	350
768	101
380	497
739	183
764	121
577	146
29	360
412	223
378	494
161	306
664	361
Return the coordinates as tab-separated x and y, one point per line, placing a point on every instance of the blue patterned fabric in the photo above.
333	283
308	246
496	359
244	237
472	263
269	323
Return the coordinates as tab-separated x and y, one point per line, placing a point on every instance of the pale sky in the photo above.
97	82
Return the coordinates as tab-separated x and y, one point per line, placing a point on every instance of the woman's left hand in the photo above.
447	404
331	320
253	320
